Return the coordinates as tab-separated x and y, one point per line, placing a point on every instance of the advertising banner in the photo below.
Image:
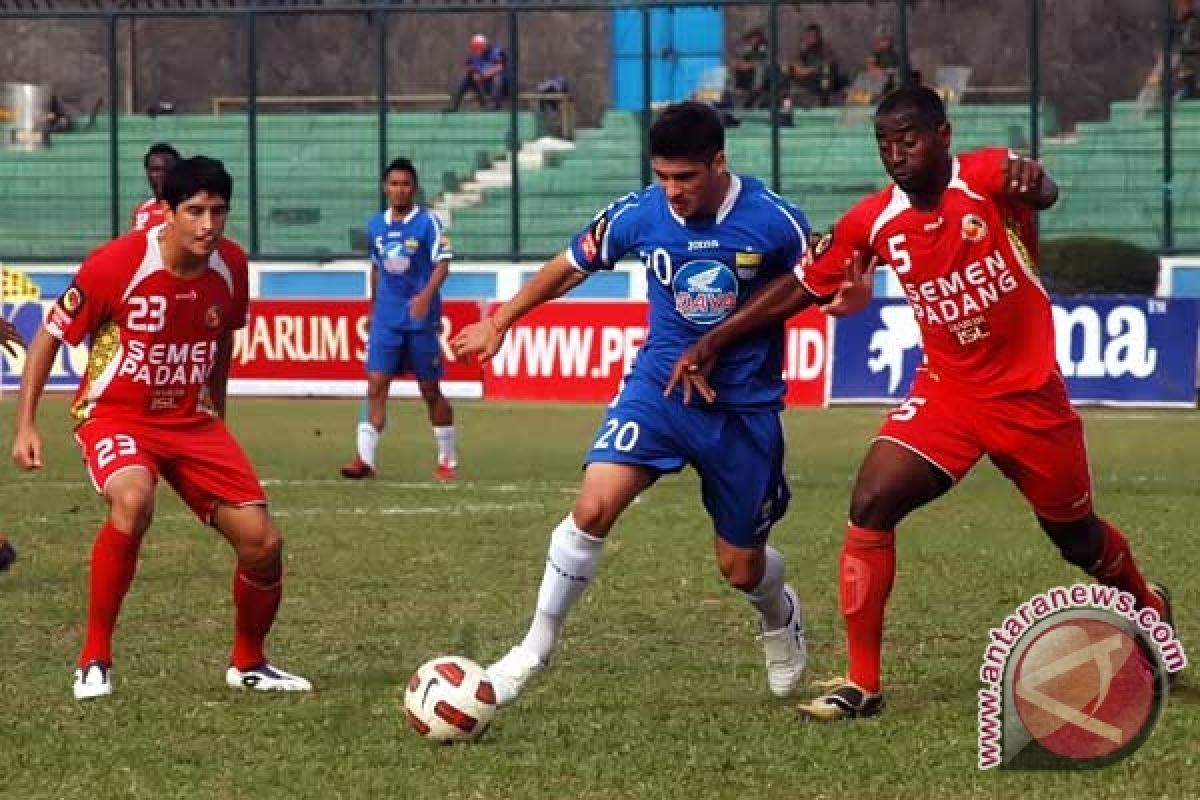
1134	351
578	352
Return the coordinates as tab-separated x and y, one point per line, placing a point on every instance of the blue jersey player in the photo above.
410	258
709	240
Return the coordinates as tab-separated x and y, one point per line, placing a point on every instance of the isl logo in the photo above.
1077	679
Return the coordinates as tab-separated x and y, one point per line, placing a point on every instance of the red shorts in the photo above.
203	463
1035	438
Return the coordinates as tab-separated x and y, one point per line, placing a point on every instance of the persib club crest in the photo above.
705	291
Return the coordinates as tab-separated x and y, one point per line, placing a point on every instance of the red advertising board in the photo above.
578	351
317	347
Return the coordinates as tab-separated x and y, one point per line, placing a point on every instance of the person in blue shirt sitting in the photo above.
486	74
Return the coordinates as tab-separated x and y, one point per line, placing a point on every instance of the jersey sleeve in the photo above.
822	268
608	237
797	234
984	170
87	302
240	268
439	241
374	240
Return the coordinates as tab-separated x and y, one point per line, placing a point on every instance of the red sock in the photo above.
867	570
114	562
256	600
1116	567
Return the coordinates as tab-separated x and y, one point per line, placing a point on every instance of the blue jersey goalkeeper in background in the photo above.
410	258
709	240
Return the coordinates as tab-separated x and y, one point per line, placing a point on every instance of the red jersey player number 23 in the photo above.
155	335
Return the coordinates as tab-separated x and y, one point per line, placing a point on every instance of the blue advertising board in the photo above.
1135	351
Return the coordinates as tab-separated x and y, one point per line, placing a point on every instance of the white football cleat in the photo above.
266	678
786	650
93	680
510	674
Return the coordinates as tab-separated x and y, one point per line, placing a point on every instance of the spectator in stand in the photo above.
885	58
1187	50
486	74
815	74
750	69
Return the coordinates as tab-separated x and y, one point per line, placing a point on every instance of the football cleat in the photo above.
845	701
510	674
1169	617
358	470
446	471
266	678
786	650
8	554
94	679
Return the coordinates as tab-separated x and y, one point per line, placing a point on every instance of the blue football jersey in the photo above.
403	254
698	271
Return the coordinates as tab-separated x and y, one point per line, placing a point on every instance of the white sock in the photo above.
368	443
768	597
445	445
572	560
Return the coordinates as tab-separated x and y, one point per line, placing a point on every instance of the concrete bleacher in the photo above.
825	168
318	174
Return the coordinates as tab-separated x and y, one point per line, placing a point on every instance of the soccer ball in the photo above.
450	699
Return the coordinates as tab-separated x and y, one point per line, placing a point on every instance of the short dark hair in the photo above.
160	149
690	131
190	176
924	103
402	165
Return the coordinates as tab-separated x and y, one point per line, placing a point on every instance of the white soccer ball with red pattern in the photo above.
450	699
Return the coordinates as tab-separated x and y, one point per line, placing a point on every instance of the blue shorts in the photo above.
738	455
400	352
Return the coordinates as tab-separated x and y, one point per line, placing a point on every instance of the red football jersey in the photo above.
153	335
967	271
148	215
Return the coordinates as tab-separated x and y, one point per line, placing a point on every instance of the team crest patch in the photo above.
973	228
412	244
212	317
72	299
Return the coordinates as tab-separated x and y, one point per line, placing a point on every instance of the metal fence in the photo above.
306	100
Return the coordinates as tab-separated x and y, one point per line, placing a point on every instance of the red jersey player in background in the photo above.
10	339
957	231
161	308
158	162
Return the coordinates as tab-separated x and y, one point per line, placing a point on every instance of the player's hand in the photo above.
1022	178
856	291
691	373
27	449
418	306
482	339
10	337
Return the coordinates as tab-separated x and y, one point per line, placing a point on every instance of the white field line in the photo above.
429	486
387	511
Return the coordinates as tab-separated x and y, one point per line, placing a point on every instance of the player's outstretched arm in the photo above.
1026	181
780	299
39	358
483	339
10	337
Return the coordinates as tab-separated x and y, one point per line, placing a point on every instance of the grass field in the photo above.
658	690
